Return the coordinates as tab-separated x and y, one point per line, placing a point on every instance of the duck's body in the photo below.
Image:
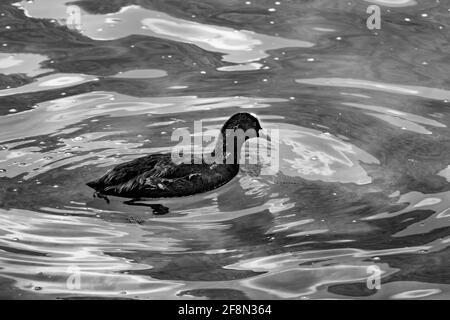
157	176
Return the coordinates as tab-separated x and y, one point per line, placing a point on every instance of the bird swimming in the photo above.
158	176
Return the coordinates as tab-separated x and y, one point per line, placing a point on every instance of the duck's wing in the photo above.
129	175
175	180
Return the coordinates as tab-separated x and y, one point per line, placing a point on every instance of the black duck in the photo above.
157	176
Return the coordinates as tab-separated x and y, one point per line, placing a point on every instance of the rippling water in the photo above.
364	176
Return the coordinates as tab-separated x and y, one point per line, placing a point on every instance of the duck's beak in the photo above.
262	134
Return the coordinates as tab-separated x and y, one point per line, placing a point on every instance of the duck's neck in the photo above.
230	148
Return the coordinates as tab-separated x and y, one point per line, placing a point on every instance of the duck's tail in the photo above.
93	184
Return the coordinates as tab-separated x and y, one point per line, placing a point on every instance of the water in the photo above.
364	124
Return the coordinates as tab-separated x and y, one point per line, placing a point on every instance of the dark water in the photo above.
365	148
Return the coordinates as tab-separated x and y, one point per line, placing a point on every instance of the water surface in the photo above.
364	175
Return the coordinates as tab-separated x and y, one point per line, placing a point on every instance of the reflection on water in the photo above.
21	63
49	83
240	46
430	93
394	3
364	171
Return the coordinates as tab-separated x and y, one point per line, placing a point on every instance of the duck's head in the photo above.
244	121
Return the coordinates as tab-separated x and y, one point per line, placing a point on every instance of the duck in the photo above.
158	176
